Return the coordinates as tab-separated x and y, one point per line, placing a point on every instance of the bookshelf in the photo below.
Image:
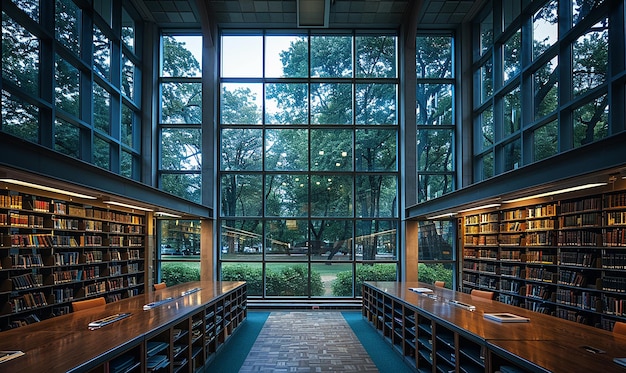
54	251
563	258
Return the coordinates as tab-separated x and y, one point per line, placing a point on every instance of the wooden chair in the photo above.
89	303
160	285
619	327
440	284
482	293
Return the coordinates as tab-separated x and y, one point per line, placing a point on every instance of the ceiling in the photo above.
362	14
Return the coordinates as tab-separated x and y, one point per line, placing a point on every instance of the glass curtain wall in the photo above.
544	80
83	101
308	169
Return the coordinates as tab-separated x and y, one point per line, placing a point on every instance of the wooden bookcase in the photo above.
563	258
54	251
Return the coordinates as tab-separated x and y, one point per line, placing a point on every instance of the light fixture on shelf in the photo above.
47	188
121	204
442	216
166	214
488	206
554	192
313	13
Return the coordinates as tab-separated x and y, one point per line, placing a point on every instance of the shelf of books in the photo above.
54	251
564	258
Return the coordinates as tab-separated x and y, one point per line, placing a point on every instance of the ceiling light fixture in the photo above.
481	207
442	216
167	214
47	188
127	205
313	13
560	191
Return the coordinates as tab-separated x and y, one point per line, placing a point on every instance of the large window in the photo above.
79	101
557	99
308	168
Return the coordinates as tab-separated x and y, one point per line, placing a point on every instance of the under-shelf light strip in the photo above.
47	188
128	206
560	191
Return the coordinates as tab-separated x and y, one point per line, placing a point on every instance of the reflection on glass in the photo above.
179	239
331	195
242	195
67	16
67	87
30	7
580	9
129	128
127	165
512	153
101	53
237	48
331	150
286	149
545	28
101	153
182	56
181	149
433	185
286	103
512	56
241	149
433	57
376	104
546	88
434	103
591	121
486	166
590	56
128	77
241	240
512	111
434	150
436	239
486	33
487	128
376	56
276	66
376	240
20	118
545	141
486	81
181	103
511	9
187	186
241	103
331	103
128	30
286	195
375	150
376	195
20	56
66	138
101	108
286	239
331	56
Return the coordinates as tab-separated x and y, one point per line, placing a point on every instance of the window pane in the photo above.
436	240
103	7
580	9
129	128
376	150
376	57
376	196
188	186
66	138
128	77
331	103
512	153
376	239
331	195
591	121
242	195
546	88
20	56
286	239
590	55
434	150
241	240
67	87
101	108
511	9
179	237
127	164
431	272
434	103
181	103
241	149
101	153
433	186
486	166
181	149
376	272
241	103
128	30
68	25
512	56
298	285
331	240
236	50
433	57
546	141
286	150
331	150
286	195
545	28
19	118
335	282
487	129
376	104
486	81
512	111
30	7
101	53
278	46
331	56
251	273
286	103
486	33
182	56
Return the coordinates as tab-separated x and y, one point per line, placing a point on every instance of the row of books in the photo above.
586	204
578	258
95	288
14	201
15	219
615	200
66	258
27	281
581	220
613	260
28	301
30	319
614	283
26	260
63	295
581	299
67	224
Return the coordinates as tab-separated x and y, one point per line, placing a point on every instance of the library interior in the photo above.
167	203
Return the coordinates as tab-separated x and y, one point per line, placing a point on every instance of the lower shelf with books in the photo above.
434	334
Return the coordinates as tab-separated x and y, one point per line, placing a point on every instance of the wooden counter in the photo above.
65	343
545	344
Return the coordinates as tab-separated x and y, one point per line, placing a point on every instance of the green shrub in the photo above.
252	275
342	286
434	272
177	273
289	281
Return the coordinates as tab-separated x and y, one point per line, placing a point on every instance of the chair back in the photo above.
160	285
482	293
89	303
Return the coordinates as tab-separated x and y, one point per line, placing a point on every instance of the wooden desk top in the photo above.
552	343
65	343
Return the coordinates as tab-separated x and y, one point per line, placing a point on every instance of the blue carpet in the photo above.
381	352
231	357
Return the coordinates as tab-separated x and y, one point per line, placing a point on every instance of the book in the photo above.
8	355
421	290
505	317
